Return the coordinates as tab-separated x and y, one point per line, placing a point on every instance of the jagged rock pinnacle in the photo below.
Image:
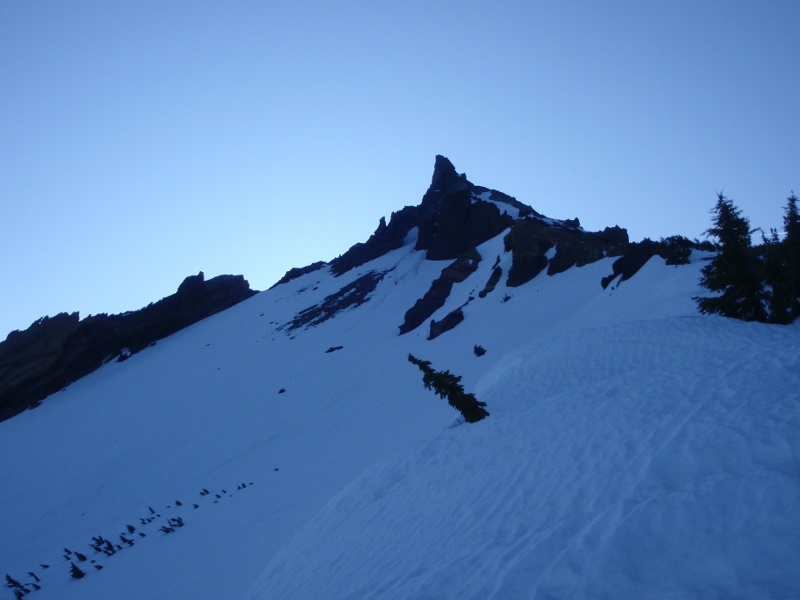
445	180
445	177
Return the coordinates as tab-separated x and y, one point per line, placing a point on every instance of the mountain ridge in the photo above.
57	351
452	219
286	448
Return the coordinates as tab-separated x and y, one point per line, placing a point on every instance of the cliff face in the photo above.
56	351
455	216
450	221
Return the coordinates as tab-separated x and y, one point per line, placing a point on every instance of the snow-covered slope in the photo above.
651	459
634	449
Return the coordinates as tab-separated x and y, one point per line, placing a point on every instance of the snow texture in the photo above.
634	450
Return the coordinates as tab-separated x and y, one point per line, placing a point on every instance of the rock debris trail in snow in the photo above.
86	558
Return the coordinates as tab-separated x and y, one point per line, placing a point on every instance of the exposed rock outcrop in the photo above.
530	239
455	217
440	289
494	279
385	239
299	272
450	220
450	320
56	351
674	250
352	295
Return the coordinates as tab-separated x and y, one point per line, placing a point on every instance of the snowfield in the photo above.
633	461
634	450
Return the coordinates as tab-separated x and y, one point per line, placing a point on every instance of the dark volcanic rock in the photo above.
299	272
440	289
56	351
450	320
674	250
385	239
453	219
462	224
494	279
633	259
450	220
615	235
530	239
352	295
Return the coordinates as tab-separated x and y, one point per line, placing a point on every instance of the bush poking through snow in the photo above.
12	583
76	572
446	385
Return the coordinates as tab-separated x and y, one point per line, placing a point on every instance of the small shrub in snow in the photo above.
76	572
11	582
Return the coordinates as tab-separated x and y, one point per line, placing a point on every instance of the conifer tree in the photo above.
446	385
791	226
733	272
776	276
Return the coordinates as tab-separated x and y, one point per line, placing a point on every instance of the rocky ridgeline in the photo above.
56	351
456	216
452	220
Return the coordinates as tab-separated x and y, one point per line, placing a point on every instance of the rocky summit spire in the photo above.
450	220
445	178
455	217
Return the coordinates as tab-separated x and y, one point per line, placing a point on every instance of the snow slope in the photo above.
634	449
647	459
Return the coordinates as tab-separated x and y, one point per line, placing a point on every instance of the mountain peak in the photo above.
445	177
455	216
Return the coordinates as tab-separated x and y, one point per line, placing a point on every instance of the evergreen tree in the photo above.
791	226
733	272
446	385
776	276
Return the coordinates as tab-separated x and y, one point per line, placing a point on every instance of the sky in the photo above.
141	142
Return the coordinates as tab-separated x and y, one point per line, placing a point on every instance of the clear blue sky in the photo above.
144	141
